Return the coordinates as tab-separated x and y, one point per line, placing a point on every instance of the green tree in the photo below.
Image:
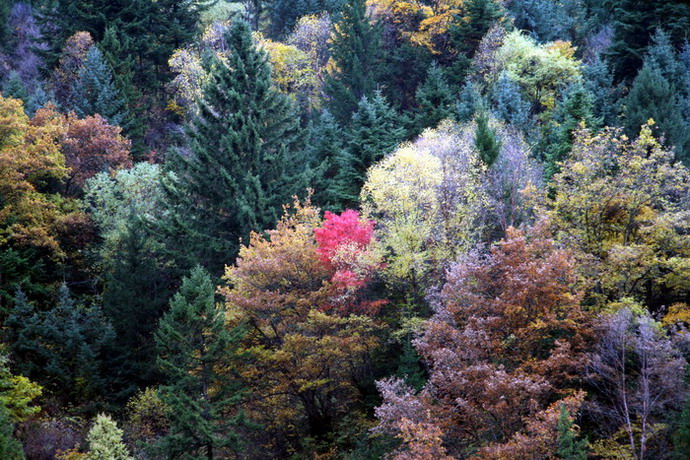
435	101
376	130
681	434
653	96
10	448
195	354
95	92
14	87
105	441
244	161
569	447
325	149
606	95
356	53
485	141
5	6
509	104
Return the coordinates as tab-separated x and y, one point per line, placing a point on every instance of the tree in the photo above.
435	101
13	87
376	130
356	55
652	96
310	332
485	141
506	340
509	105
196	354
243	161
622	202
10	448
17	393
637	375
546	20
72	57
105	440
326	150
95	91
92	145
569	447
606	96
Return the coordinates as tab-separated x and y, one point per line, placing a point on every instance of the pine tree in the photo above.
356	53
485	140
134	299
195	354
652	96
105	441
606	96
435	101
10	448
325	148
244	161
509	104
95	91
376	130
569	447
14	87
573	109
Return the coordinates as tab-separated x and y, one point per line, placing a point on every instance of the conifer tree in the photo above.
376	130
95	91
435	101
574	109
14	87
681	434
325	150
606	95
653	96
243	161
509	104
195	354
409	367
485	140
569	447
356	52
5	6
105	441
470	102
10	448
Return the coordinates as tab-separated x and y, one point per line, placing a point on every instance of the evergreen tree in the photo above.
681	434
662	55
574	108
509	104
409	367
356	53
243	163
105	441
469	103
652	96
135	296
14	87
195	351
61	348
485	140
325	150
435	101
569	447
5	7
376	130
95	91
10	448
606	95
634	24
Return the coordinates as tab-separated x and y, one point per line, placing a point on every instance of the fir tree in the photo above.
356	53
662	55
14	87
10	448
469	103
134	299
569	447
435	101
195	351
606	95
95	91
325	150
5	6
681	434
376	130
509	104
105	441
409	367
652	96
243	163
485	140
574	109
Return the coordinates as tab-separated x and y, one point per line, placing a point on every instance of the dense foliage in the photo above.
344	229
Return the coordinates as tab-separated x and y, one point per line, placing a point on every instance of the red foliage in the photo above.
338	230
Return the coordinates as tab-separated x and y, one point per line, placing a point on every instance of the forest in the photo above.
344	229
